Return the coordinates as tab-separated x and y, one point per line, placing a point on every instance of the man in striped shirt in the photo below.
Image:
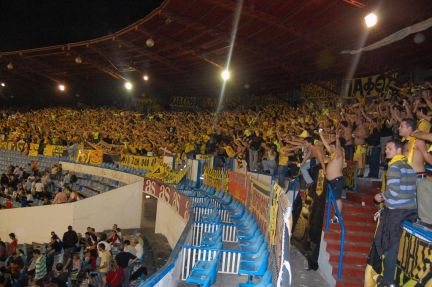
400	203
40	267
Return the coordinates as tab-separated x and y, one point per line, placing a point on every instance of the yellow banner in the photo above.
16	146
83	155
167	175
277	190
216	178
94	157
53	150
138	162
3	145
33	149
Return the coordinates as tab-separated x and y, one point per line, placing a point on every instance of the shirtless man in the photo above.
333	170
414	149
360	134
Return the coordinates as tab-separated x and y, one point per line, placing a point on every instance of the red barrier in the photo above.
237	186
168	194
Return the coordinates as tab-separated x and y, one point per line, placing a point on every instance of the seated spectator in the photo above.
60	197
128	247
139	249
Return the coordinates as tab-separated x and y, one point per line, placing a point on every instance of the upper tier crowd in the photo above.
277	139
267	136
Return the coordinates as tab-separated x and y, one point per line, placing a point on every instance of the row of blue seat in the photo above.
254	258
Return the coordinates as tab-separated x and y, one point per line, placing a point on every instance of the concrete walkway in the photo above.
302	277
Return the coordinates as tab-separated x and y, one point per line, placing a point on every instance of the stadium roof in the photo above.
279	44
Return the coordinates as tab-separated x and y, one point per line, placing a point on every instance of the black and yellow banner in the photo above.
414	267
54	150
277	190
370	86
216	178
308	217
139	162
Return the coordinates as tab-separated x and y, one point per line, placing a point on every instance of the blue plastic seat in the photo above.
255	268
265	281
204	272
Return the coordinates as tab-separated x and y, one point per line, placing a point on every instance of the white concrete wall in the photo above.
121	206
169	222
34	224
109	173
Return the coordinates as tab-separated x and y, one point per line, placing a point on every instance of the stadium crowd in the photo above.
277	139
95	259
269	137
28	185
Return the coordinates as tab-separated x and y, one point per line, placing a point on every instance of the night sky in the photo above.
26	24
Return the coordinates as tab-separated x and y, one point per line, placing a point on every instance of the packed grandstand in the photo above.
325	185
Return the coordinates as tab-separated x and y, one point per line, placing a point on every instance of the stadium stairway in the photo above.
358	211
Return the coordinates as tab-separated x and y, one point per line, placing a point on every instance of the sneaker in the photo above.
334	219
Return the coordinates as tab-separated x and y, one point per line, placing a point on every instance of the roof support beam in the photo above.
269	19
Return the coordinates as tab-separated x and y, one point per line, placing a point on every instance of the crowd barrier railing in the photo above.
331	201
229	262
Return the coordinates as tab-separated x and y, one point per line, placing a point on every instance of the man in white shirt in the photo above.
139	249
129	248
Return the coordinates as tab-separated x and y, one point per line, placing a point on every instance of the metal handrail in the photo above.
332	201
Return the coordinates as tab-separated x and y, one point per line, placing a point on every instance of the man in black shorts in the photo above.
333	170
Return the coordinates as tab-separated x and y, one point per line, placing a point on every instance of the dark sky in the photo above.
28	24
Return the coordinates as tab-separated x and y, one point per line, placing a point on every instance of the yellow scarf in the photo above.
410	157
396	158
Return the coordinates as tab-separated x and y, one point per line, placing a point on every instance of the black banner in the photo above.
308	218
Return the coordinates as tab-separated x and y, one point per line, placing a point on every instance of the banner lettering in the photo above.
168	194
370	86
138	162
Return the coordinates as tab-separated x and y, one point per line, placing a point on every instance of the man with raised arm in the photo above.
333	170
414	149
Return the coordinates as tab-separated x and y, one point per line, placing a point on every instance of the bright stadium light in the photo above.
371	19
128	86
61	87
225	75
146	78
3	84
